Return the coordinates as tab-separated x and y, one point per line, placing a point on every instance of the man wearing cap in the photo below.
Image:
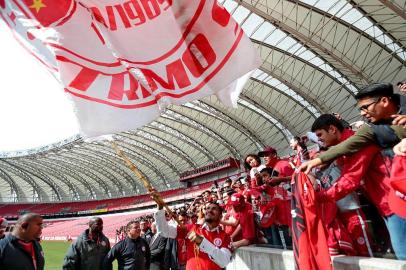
207	245
244	218
89	250
281	166
3	226
386	113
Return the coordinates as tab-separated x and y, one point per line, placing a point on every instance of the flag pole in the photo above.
156	197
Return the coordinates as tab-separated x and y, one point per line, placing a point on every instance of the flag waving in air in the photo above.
123	61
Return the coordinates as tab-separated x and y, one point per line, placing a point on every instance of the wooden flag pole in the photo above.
157	197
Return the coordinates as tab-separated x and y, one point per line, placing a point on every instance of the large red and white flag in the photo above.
122	62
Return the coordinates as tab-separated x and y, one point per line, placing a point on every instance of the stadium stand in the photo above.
62	229
11	211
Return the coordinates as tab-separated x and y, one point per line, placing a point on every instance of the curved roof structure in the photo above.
316	55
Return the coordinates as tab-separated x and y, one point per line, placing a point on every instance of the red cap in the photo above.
397	196
267	151
236	199
3	222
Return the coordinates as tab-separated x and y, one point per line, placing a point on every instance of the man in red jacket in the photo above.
243	218
207	245
366	169
284	171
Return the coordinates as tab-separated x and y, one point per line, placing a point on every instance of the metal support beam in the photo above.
235	123
202	128
306	40
161	127
316	68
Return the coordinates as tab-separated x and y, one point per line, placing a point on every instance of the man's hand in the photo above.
232	246
194	237
312	179
400	148
357	124
274	181
157	198
399	120
309	165
402	88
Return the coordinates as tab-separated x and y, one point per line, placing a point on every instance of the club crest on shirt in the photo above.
361	240
103	243
143	249
217	242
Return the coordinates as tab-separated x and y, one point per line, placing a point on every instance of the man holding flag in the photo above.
207	246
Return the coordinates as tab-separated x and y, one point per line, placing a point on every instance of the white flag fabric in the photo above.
122	62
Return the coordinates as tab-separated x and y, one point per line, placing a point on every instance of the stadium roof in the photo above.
316	56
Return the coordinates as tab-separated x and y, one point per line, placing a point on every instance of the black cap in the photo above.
376	90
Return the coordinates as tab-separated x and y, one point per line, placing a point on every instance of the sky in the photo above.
34	110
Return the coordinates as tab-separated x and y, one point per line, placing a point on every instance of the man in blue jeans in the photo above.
397	230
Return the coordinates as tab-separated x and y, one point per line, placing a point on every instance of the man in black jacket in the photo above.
157	247
89	250
20	249
132	253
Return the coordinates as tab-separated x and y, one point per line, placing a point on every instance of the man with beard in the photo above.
207	245
89	250
21	249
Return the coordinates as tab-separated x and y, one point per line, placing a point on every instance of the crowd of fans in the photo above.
350	164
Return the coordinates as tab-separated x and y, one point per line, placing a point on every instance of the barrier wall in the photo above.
257	258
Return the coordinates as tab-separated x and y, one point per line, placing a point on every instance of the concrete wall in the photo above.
257	258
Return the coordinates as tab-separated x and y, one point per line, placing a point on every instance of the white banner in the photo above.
122	62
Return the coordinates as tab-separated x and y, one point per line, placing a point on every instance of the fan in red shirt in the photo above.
229	212
284	171
243	218
207	245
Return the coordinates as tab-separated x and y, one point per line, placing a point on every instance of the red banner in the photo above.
309	237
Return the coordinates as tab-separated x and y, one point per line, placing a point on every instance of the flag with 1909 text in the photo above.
122	62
